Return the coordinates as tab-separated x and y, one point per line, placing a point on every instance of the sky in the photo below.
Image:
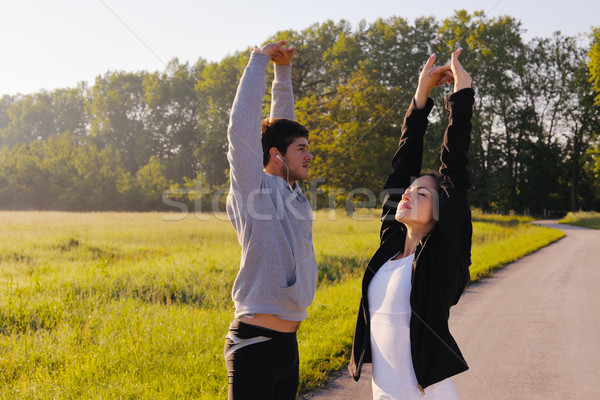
56	44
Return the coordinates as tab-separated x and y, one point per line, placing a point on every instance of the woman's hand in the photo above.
462	79
429	78
276	52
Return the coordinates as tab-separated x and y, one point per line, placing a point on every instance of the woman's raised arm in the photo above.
457	137
406	163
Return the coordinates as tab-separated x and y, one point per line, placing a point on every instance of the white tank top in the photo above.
389	290
389	307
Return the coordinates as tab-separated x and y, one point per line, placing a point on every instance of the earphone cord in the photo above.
288	175
288	172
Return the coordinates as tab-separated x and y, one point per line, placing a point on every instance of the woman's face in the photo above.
418	201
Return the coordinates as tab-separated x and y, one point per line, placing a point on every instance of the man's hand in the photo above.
283	56
276	52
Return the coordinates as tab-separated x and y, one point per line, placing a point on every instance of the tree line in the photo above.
122	142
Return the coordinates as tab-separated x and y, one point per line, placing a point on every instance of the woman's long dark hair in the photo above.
435	175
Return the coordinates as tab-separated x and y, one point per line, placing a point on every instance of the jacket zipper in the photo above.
421	390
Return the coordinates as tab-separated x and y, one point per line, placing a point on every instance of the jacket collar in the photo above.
390	247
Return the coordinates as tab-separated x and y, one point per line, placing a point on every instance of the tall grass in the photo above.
586	219
128	305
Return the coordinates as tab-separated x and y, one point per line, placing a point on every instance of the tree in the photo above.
120	116
29	118
495	55
152	183
172	116
69	109
215	90
594	63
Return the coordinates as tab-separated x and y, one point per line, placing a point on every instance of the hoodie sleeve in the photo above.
245	149
282	100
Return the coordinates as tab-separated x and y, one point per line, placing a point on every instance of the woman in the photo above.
422	265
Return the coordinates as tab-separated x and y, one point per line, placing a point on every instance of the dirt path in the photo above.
531	331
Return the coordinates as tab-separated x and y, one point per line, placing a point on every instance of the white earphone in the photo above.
277	156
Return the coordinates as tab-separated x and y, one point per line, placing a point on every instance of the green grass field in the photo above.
131	306
586	219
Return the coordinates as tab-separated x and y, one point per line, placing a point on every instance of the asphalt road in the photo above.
530	331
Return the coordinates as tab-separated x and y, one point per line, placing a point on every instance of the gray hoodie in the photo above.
273	221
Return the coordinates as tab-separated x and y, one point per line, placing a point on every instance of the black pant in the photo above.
262	364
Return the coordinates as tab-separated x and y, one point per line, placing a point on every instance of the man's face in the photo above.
297	157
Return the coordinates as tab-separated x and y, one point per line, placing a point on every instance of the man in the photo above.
273	220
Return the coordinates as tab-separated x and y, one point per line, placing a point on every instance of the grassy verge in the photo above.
502	239
110	305
589	219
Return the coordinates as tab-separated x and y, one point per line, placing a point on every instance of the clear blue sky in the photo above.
55	44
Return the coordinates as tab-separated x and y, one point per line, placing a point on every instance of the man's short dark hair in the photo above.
279	133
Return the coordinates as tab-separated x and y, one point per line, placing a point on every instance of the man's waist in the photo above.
270	321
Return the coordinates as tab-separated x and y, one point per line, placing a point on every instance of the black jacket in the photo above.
442	258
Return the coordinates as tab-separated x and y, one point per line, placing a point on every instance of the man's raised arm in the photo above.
245	153
282	96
